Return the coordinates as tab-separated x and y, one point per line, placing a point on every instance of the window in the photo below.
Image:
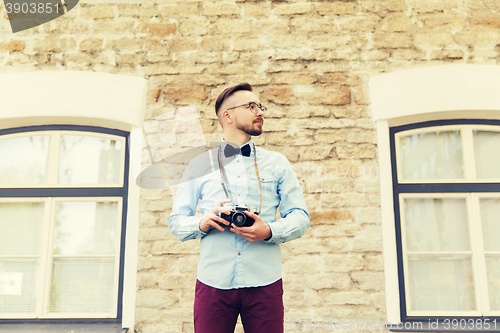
413	99
63	203
446	185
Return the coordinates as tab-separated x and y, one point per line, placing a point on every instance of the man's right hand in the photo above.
212	217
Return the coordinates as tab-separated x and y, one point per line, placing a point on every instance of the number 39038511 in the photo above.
32	8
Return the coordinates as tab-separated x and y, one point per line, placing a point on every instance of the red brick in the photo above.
13	46
279	95
158	29
340	96
490	20
91	44
185	95
335	8
330	216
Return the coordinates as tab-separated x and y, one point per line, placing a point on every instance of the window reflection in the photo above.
436	155
486	145
87	160
83	228
24	160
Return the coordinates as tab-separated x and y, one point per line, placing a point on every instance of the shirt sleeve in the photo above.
182	222
295	219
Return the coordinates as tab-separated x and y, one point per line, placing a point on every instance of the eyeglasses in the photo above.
254	107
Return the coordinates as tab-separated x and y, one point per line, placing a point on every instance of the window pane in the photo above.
486	150
431	156
490	219
85	228
436	225
82	285
89	160
18	279
21	225
27	160
493	272
441	283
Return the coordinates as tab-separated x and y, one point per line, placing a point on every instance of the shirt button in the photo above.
238	161
239	253
239	194
238	176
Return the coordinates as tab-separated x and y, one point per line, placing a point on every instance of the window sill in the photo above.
61	327
490	325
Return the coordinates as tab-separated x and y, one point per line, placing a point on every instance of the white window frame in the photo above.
419	95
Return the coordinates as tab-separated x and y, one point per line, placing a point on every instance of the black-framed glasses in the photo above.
254	107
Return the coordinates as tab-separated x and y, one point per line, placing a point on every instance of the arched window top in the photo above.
62	156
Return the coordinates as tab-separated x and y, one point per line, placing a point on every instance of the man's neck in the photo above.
237	139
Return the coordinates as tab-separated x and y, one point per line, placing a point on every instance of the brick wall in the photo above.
309	62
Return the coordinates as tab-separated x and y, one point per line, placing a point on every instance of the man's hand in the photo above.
212	217
258	231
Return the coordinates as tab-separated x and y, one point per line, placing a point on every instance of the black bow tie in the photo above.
230	150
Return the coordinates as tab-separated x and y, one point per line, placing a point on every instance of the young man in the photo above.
239	271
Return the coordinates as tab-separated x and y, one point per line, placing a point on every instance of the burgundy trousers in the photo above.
261	309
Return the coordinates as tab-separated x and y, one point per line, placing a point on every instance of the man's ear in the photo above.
227	117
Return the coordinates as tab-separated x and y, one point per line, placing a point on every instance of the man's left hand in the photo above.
258	231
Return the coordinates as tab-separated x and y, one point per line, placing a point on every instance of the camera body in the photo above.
238	217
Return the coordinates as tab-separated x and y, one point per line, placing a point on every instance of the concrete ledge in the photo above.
62	327
71	97
427	90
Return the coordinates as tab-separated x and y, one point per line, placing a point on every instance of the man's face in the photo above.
243	118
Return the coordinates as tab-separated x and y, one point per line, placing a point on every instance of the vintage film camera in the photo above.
237	216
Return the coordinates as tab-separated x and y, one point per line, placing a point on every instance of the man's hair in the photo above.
228	92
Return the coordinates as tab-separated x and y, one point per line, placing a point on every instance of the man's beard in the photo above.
250	129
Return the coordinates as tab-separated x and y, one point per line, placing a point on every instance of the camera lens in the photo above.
239	219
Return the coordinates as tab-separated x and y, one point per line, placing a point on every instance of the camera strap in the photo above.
222	182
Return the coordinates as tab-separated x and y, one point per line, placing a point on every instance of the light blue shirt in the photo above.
227	260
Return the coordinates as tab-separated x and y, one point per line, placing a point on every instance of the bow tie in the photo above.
230	150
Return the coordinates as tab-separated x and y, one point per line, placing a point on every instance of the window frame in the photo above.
424	187
74	193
